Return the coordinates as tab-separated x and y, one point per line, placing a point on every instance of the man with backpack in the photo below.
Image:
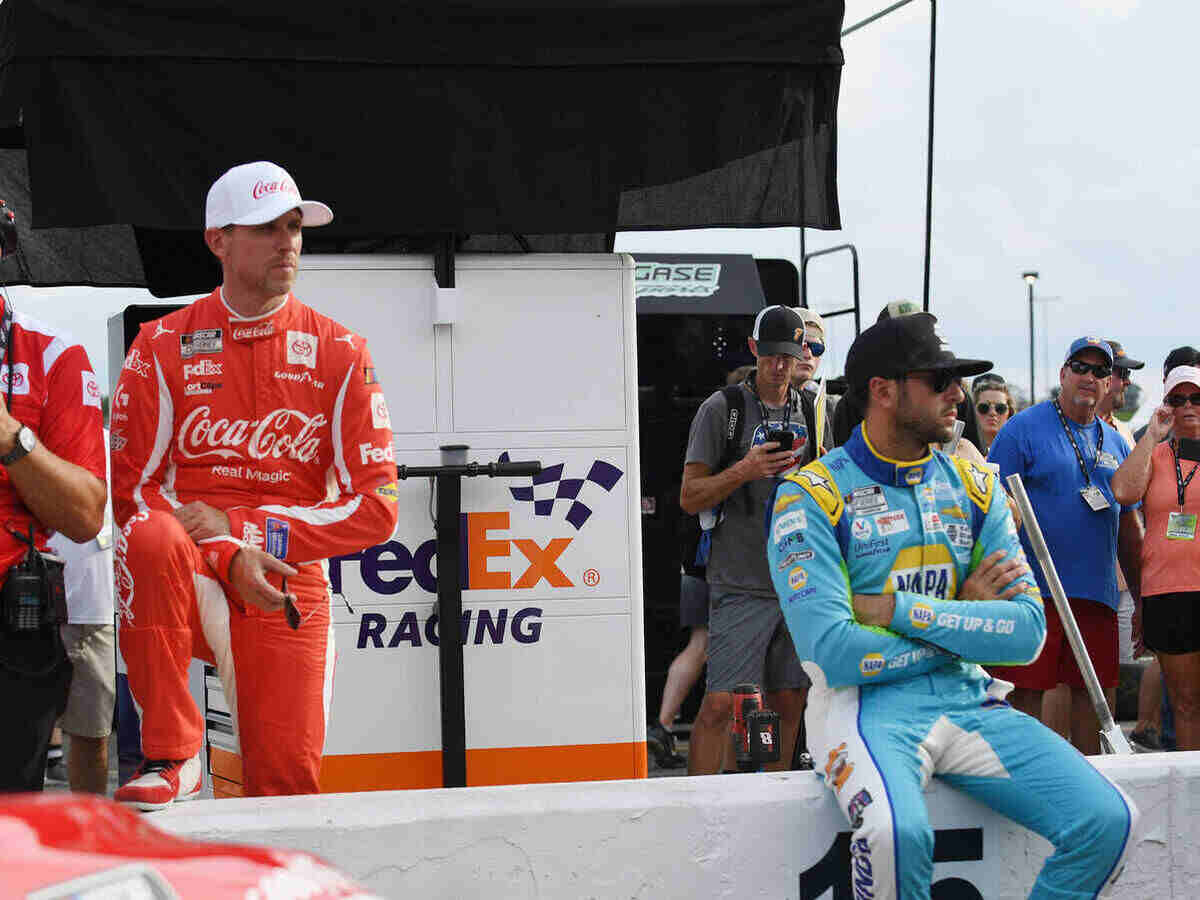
737	446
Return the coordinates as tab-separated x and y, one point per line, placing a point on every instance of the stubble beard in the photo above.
925	430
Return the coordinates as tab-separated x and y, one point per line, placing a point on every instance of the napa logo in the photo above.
871	665
928	570
797	578
914	476
921	615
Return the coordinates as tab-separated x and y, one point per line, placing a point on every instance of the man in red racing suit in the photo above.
250	441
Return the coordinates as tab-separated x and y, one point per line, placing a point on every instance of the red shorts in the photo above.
1056	664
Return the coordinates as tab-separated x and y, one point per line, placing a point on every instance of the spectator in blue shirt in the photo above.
1067	457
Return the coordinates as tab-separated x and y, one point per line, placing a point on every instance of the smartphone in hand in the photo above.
784	438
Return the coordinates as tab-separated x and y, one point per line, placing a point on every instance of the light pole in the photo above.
1030	278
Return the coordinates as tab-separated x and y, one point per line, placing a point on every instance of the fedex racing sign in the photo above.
560	537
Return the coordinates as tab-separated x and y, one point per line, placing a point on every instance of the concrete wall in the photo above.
737	836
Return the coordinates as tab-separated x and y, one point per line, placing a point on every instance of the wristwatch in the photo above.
26	441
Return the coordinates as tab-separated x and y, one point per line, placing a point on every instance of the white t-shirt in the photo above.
89	570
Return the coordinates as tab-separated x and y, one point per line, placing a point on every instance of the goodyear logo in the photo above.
921	615
871	664
797	578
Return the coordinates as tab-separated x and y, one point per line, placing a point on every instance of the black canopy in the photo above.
544	124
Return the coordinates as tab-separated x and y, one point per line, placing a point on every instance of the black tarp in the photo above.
545	125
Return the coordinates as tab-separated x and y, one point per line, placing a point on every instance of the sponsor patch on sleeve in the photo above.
379	411
91	390
389	492
369	375
788	523
277	538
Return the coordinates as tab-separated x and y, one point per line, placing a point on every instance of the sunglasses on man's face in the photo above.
1178	400
816	348
1122	373
939	379
985	408
1100	370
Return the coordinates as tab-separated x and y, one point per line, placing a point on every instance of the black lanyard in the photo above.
1181	484
762	407
5	340
1087	476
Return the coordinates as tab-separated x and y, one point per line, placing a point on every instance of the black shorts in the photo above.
693	601
1171	622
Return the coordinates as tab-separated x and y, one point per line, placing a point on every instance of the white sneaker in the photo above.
159	783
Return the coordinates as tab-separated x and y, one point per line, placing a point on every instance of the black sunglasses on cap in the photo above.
1100	370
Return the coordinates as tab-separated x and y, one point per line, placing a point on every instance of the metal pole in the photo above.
1032	392
450	645
929	149
1112	738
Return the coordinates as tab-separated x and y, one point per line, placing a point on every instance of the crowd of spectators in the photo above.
1068	450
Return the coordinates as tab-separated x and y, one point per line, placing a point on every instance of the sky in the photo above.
1066	142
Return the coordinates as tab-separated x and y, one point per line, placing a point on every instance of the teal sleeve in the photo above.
813	585
1000	632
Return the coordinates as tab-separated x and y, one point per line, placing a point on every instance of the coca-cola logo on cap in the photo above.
263	188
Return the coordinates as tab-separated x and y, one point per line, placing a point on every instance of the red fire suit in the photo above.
279	422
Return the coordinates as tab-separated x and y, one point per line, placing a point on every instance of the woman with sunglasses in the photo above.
1159	473
993	407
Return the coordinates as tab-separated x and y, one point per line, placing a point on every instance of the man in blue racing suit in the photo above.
875	551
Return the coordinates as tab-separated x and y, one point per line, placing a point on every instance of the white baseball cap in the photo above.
811	318
1181	375
258	192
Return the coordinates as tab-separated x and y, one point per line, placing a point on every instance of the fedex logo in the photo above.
488	560
370	453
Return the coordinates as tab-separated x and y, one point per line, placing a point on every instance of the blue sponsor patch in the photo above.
277	538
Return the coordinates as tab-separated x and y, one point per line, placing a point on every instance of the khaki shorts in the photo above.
91	649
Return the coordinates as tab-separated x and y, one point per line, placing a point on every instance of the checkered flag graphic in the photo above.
549	486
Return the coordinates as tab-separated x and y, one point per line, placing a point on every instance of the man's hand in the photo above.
8	428
1160	423
202	521
995	579
1138	639
765	461
874	609
248	576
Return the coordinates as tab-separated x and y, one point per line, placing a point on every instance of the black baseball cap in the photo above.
903	344
1180	356
779	329
1120	360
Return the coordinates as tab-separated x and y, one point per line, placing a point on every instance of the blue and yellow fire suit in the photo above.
891	707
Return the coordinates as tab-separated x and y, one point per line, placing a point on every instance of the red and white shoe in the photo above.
161	782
